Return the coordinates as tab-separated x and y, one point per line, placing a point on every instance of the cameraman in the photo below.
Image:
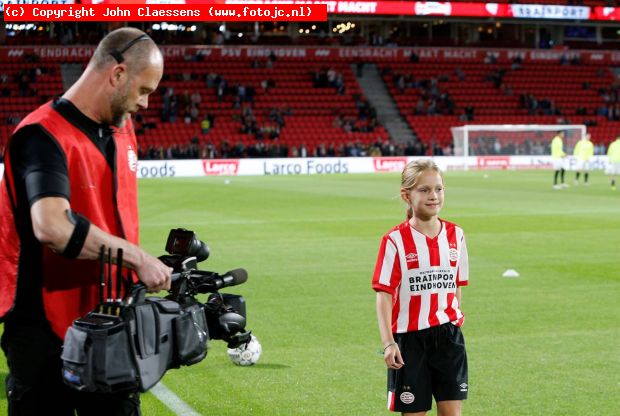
70	187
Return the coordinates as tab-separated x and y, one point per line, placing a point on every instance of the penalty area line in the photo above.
172	401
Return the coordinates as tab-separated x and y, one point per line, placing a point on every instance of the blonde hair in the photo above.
411	173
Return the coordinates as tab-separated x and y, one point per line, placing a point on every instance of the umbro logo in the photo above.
463	386
411	257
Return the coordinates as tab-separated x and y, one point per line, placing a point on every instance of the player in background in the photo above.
613	161
559	158
584	150
421	267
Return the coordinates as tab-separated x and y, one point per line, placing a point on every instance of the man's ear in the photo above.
118	74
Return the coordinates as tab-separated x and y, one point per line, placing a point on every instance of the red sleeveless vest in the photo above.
70	287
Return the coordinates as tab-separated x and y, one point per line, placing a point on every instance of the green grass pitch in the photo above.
545	343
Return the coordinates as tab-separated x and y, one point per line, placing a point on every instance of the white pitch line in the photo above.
172	401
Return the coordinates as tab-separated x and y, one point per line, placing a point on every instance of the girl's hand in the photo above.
392	356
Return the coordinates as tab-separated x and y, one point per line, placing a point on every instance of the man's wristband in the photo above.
78	236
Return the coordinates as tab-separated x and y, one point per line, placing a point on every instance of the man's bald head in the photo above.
124	70
137	57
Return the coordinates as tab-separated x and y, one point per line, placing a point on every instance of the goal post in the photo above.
511	139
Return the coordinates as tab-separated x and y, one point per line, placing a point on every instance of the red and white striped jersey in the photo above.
422	275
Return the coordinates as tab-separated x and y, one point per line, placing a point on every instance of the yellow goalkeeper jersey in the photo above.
613	152
584	150
557	148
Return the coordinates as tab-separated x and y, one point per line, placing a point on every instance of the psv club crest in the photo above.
407	397
454	254
132	159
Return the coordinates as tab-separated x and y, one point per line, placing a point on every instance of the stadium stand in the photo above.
284	100
435	95
295	106
262	101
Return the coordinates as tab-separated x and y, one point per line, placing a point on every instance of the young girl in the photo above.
421	267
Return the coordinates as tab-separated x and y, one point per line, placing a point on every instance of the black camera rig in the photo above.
128	343
225	312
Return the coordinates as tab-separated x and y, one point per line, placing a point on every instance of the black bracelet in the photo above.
388	346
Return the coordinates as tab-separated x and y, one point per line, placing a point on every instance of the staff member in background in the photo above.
559	158
583	152
613	161
421	267
69	187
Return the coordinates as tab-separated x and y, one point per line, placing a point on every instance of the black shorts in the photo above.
435	365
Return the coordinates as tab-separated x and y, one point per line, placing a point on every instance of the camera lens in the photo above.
198	249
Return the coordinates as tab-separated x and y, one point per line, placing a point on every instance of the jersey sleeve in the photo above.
39	163
557	148
387	275
577	149
462	273
613	151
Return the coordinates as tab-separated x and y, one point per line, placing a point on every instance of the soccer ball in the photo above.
246	354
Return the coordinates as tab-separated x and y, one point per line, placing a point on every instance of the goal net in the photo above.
512	139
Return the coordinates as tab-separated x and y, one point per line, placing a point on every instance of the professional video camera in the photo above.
128	344
225	313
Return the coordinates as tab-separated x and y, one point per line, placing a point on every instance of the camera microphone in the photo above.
231	278
211	281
